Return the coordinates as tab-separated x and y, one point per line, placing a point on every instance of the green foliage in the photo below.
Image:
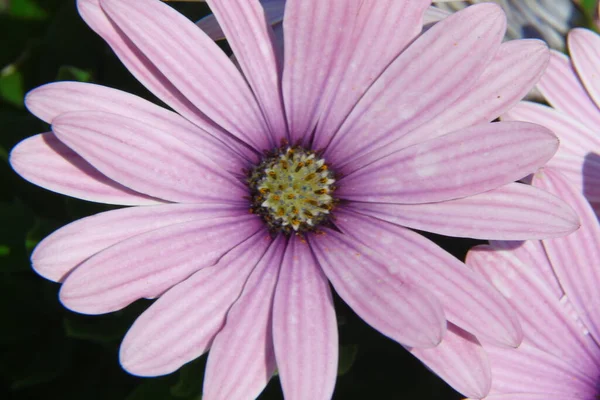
26	9
11	85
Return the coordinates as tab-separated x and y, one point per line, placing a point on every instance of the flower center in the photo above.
291	190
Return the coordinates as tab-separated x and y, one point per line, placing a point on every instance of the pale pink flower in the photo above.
401	118
553	285
549	20
572	88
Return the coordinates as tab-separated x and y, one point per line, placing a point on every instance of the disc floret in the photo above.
292	190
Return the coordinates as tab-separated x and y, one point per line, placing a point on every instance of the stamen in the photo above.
291	190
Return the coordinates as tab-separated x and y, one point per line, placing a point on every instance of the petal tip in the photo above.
72	297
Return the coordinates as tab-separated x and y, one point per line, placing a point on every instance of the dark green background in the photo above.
47	352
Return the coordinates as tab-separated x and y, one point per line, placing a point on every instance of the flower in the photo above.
549	20
553	285
336	146
570	85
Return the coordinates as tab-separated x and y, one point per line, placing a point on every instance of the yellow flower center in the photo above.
291	190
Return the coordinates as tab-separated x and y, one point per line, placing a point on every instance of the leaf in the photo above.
16	221
70	73
27	9
11	86
347	357
3	154
189	385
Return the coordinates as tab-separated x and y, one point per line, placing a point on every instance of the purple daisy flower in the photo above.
553	285
362	127
572	88
549	20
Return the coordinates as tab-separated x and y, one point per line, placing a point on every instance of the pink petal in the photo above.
431	74
45	161
148	74
545	323
182	52
514	70
386	300
511	212
434	14
582	173
314	58
242	360
532	254
458	164
181	324
49	101
148	264
469	301
529	370
62	251
580	249
147	159
273	10
460	361
575	139
584	46
252	40
531	396
399	22
562	88
304	327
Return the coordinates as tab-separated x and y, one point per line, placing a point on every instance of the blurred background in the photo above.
48	352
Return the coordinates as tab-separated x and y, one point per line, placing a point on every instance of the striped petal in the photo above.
533	254
399	21
182	323
241	359
458	164
400	310
434	14
148	264
531	396
584	46
45	161
433	72
514	211
516	67
583	173
181	52
581	249
575	138
147	159
529	370
273	10
150	76
304	327
561	86
315	57
49	101
62	251
460	361
250	36
468	300
545	323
